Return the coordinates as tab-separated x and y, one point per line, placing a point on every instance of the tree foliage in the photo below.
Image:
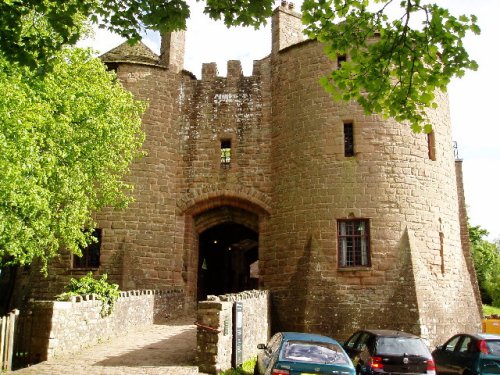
67	139
395	66
86	285
486	256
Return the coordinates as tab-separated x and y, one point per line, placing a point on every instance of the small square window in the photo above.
225	153
91	254
353	238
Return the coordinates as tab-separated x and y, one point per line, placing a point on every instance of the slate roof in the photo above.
137	53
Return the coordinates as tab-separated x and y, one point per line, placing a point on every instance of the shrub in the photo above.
105	292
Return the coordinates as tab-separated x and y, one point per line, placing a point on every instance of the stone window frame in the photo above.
232	165
349	142
225	153
88	260
431	145
353	258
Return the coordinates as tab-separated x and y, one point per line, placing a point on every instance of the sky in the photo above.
473	98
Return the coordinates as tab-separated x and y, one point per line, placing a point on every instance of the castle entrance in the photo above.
228	259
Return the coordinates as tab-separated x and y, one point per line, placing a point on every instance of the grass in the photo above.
490	310
245	369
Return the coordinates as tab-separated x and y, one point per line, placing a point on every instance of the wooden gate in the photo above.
7	330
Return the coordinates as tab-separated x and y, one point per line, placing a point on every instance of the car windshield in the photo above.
494	346
401	346
318	352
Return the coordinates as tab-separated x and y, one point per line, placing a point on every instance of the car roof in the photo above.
389	333
307	337
488	336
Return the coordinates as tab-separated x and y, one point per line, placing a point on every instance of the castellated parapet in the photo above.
300	167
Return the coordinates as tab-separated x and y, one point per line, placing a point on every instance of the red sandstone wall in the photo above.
408	198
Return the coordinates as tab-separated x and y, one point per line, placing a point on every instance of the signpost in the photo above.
238	334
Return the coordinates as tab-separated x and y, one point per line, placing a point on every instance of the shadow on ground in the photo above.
176	350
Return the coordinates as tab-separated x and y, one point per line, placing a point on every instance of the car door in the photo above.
266	361
444	356
359	351
464	354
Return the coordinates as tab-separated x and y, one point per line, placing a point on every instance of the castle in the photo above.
265	182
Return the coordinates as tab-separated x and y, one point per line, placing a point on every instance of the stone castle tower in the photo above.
265	182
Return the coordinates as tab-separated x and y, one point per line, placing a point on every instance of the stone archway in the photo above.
228	253
231	263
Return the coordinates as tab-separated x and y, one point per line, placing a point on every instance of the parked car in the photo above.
291	353
469	354
388	352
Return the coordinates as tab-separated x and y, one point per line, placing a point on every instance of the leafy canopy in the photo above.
395	66
486	256
67	139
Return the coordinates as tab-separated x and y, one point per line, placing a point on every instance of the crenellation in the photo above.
289	181
209	71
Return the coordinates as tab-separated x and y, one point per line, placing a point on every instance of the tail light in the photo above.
431	367
279	371
483	347
375	363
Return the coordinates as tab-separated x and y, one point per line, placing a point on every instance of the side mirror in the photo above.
439	347
261	346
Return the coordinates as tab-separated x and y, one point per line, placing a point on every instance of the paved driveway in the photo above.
156	349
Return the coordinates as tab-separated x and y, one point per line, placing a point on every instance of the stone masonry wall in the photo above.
216	326
413	282
60	327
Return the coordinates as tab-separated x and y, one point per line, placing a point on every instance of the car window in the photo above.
494	346
361	344
317	352
401	345
466	345
274	343
352	340
450	345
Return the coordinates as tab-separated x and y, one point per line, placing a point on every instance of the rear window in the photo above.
494	346
307	351
401	346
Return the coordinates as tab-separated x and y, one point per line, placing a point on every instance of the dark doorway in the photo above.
228	260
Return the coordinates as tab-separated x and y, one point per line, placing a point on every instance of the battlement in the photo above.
210	72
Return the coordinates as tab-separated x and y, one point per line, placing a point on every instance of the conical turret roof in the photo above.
137	53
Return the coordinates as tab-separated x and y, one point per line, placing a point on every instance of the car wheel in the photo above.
358	370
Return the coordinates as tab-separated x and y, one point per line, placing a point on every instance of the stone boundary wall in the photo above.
64	327
215	328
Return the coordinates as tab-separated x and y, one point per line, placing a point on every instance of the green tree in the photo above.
66	138
486	256
393	68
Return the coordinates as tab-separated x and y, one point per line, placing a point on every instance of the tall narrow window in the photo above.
91	254
441	250
431	145
225	153
353	238
348	139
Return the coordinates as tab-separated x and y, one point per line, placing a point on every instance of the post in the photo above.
238	334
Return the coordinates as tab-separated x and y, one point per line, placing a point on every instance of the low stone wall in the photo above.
215	334
60	327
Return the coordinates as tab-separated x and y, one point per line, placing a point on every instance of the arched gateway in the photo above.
222	246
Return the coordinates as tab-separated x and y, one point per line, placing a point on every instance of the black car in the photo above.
375	352
469	354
